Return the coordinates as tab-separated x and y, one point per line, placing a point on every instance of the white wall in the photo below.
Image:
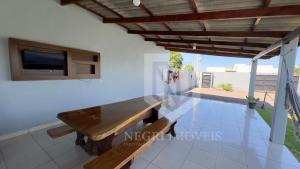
155	70
244	68
30	103
239	81
186	81
153	73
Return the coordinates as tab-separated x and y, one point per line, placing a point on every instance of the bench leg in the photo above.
172	130
80	139
153	117
127	166
99	147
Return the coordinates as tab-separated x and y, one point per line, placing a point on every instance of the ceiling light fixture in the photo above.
136	2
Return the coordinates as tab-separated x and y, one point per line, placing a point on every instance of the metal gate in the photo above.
207	80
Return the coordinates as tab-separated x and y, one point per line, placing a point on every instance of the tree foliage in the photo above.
188	68
297	71
175	60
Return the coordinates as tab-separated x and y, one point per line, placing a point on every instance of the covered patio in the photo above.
99	90
210	135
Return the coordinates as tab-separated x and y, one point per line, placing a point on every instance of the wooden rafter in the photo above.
193	6
275	34
67	2
216	49
116	13
195	10
151	14
90	10
290	10
148	12
210	46
98	14
257	20
223	43
266	3
231	54
107	8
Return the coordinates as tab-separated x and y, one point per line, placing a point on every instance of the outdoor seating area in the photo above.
210	134
119	84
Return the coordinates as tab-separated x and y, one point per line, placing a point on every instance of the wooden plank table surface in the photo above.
101	124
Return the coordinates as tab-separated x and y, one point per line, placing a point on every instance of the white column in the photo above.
279	120
252	83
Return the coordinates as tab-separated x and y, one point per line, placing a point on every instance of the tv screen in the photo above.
43	60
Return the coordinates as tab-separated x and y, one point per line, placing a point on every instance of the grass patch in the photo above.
292	142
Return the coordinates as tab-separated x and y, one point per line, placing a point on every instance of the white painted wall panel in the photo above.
31	103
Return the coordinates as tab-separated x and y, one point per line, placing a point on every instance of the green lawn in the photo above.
291	140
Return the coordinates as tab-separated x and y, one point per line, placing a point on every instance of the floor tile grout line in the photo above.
4	161
189	151
151	161
52	160
154	165
159	152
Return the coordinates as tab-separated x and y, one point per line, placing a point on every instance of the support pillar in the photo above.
280	114
252	83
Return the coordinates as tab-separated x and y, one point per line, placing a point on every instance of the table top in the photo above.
101	121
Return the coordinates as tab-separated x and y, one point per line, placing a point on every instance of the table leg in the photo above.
127	166
80	139
99	147
172	129
153	117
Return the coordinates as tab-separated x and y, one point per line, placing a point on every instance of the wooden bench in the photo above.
121	156
60	131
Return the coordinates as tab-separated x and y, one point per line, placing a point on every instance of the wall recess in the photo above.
39	61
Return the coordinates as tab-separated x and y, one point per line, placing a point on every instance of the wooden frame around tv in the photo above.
81	64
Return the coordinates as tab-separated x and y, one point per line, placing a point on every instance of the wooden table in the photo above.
101	124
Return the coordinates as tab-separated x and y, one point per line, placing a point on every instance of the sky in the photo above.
217	61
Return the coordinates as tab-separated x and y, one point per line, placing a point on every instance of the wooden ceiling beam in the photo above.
68	2
221	43
119	15
216	49
266	4
275	34
242	55
98	14
108	8
195	10
151	14
90	10
278	11
193	6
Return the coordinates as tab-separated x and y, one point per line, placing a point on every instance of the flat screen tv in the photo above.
40	60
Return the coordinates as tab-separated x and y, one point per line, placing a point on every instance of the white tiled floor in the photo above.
211	135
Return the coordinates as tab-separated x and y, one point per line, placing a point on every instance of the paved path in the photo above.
234	96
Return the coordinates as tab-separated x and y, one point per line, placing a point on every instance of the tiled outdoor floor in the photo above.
211	135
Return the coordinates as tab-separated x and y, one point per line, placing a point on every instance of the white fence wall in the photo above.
154	82
186	81
239	81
